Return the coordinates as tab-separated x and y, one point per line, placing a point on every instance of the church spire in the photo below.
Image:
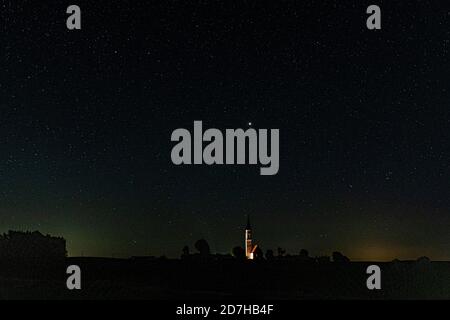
248	227
248	240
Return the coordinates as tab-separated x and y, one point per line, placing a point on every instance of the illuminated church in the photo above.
250	248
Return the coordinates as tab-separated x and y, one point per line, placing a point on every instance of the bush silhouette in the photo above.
280	252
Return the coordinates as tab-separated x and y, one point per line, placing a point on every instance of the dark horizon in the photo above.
87	117
191	247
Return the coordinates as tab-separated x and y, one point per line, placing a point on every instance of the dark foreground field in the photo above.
231	279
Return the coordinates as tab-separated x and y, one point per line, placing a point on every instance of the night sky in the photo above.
364	118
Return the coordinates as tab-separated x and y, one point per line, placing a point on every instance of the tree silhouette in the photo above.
239	253
269	254
32	245
185	253
280	252
258	254
423	259
203	247
304	255
339	257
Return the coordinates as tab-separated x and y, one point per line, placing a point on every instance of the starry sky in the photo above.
87	115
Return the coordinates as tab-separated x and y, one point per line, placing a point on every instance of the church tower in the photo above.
248	240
